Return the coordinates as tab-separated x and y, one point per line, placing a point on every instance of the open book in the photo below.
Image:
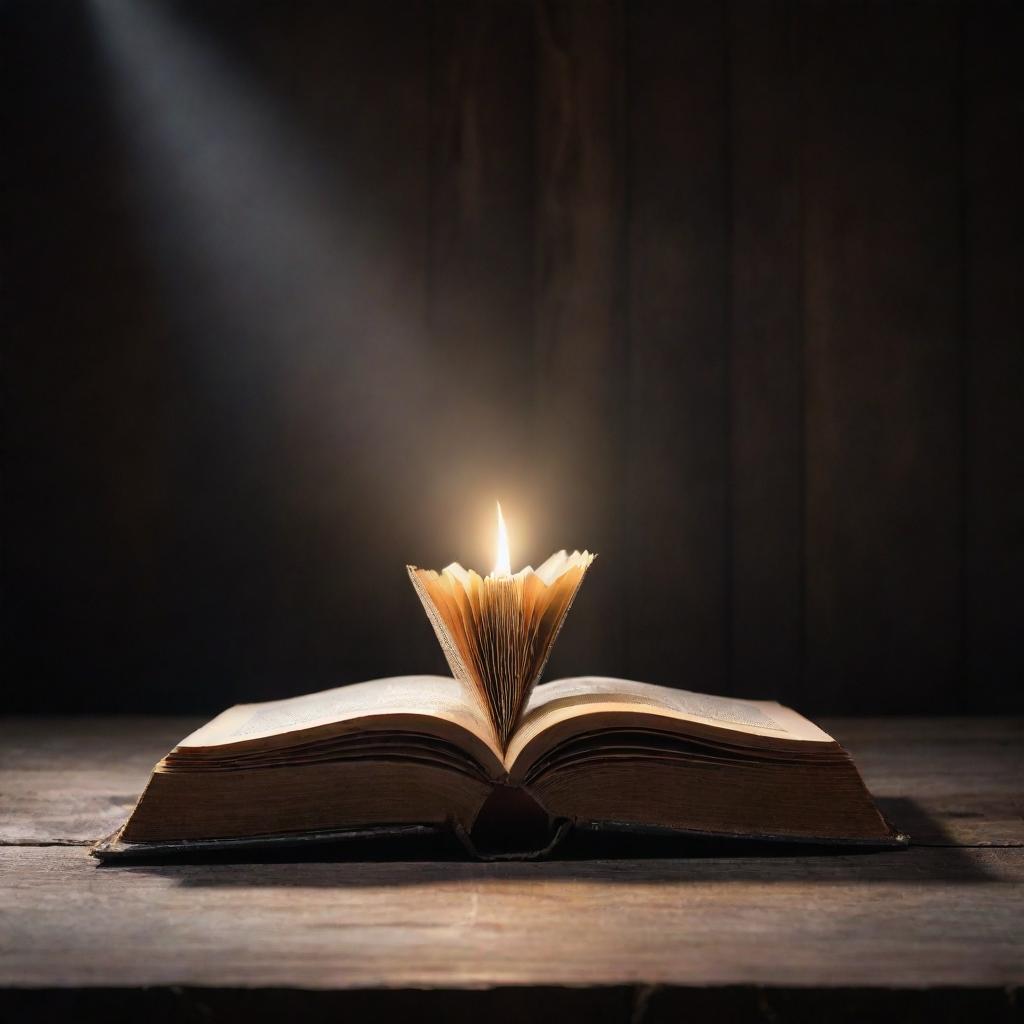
419	751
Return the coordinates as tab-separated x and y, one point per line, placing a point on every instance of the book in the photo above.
419	753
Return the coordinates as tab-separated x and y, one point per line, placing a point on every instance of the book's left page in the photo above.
391	701
412	750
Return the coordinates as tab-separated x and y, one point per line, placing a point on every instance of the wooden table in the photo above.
936	931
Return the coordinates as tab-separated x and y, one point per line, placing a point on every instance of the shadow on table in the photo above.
586	856
541	1005
613	1004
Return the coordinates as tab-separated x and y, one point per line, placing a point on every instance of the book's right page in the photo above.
564	701
616	753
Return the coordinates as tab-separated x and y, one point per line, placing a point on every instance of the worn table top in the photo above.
665	928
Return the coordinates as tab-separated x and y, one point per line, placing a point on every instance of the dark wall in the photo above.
729	293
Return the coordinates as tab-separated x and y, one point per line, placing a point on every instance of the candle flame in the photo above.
502	562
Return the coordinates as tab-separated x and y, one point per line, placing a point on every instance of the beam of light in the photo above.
289	276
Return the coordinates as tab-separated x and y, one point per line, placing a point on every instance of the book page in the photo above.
431	696
573	698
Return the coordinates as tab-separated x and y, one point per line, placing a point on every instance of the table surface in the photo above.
643	929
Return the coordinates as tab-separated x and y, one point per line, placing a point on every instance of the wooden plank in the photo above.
677	478
580	353
945	781
949	781
882	303
767	352
90	383
240	237
994	364
481	284
869	920
74	780
355	390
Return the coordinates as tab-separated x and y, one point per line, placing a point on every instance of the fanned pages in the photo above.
497	631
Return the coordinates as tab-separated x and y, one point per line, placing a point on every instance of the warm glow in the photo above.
502	562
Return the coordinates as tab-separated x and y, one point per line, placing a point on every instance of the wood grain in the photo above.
993	98
347	352
766	359
877	920
883	424
481	257
677	597
946	781
579	355
74	780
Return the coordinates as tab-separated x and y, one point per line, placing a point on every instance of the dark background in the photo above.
729	293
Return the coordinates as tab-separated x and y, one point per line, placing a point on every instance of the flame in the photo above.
502	562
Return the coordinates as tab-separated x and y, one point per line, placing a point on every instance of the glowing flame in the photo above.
502	563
